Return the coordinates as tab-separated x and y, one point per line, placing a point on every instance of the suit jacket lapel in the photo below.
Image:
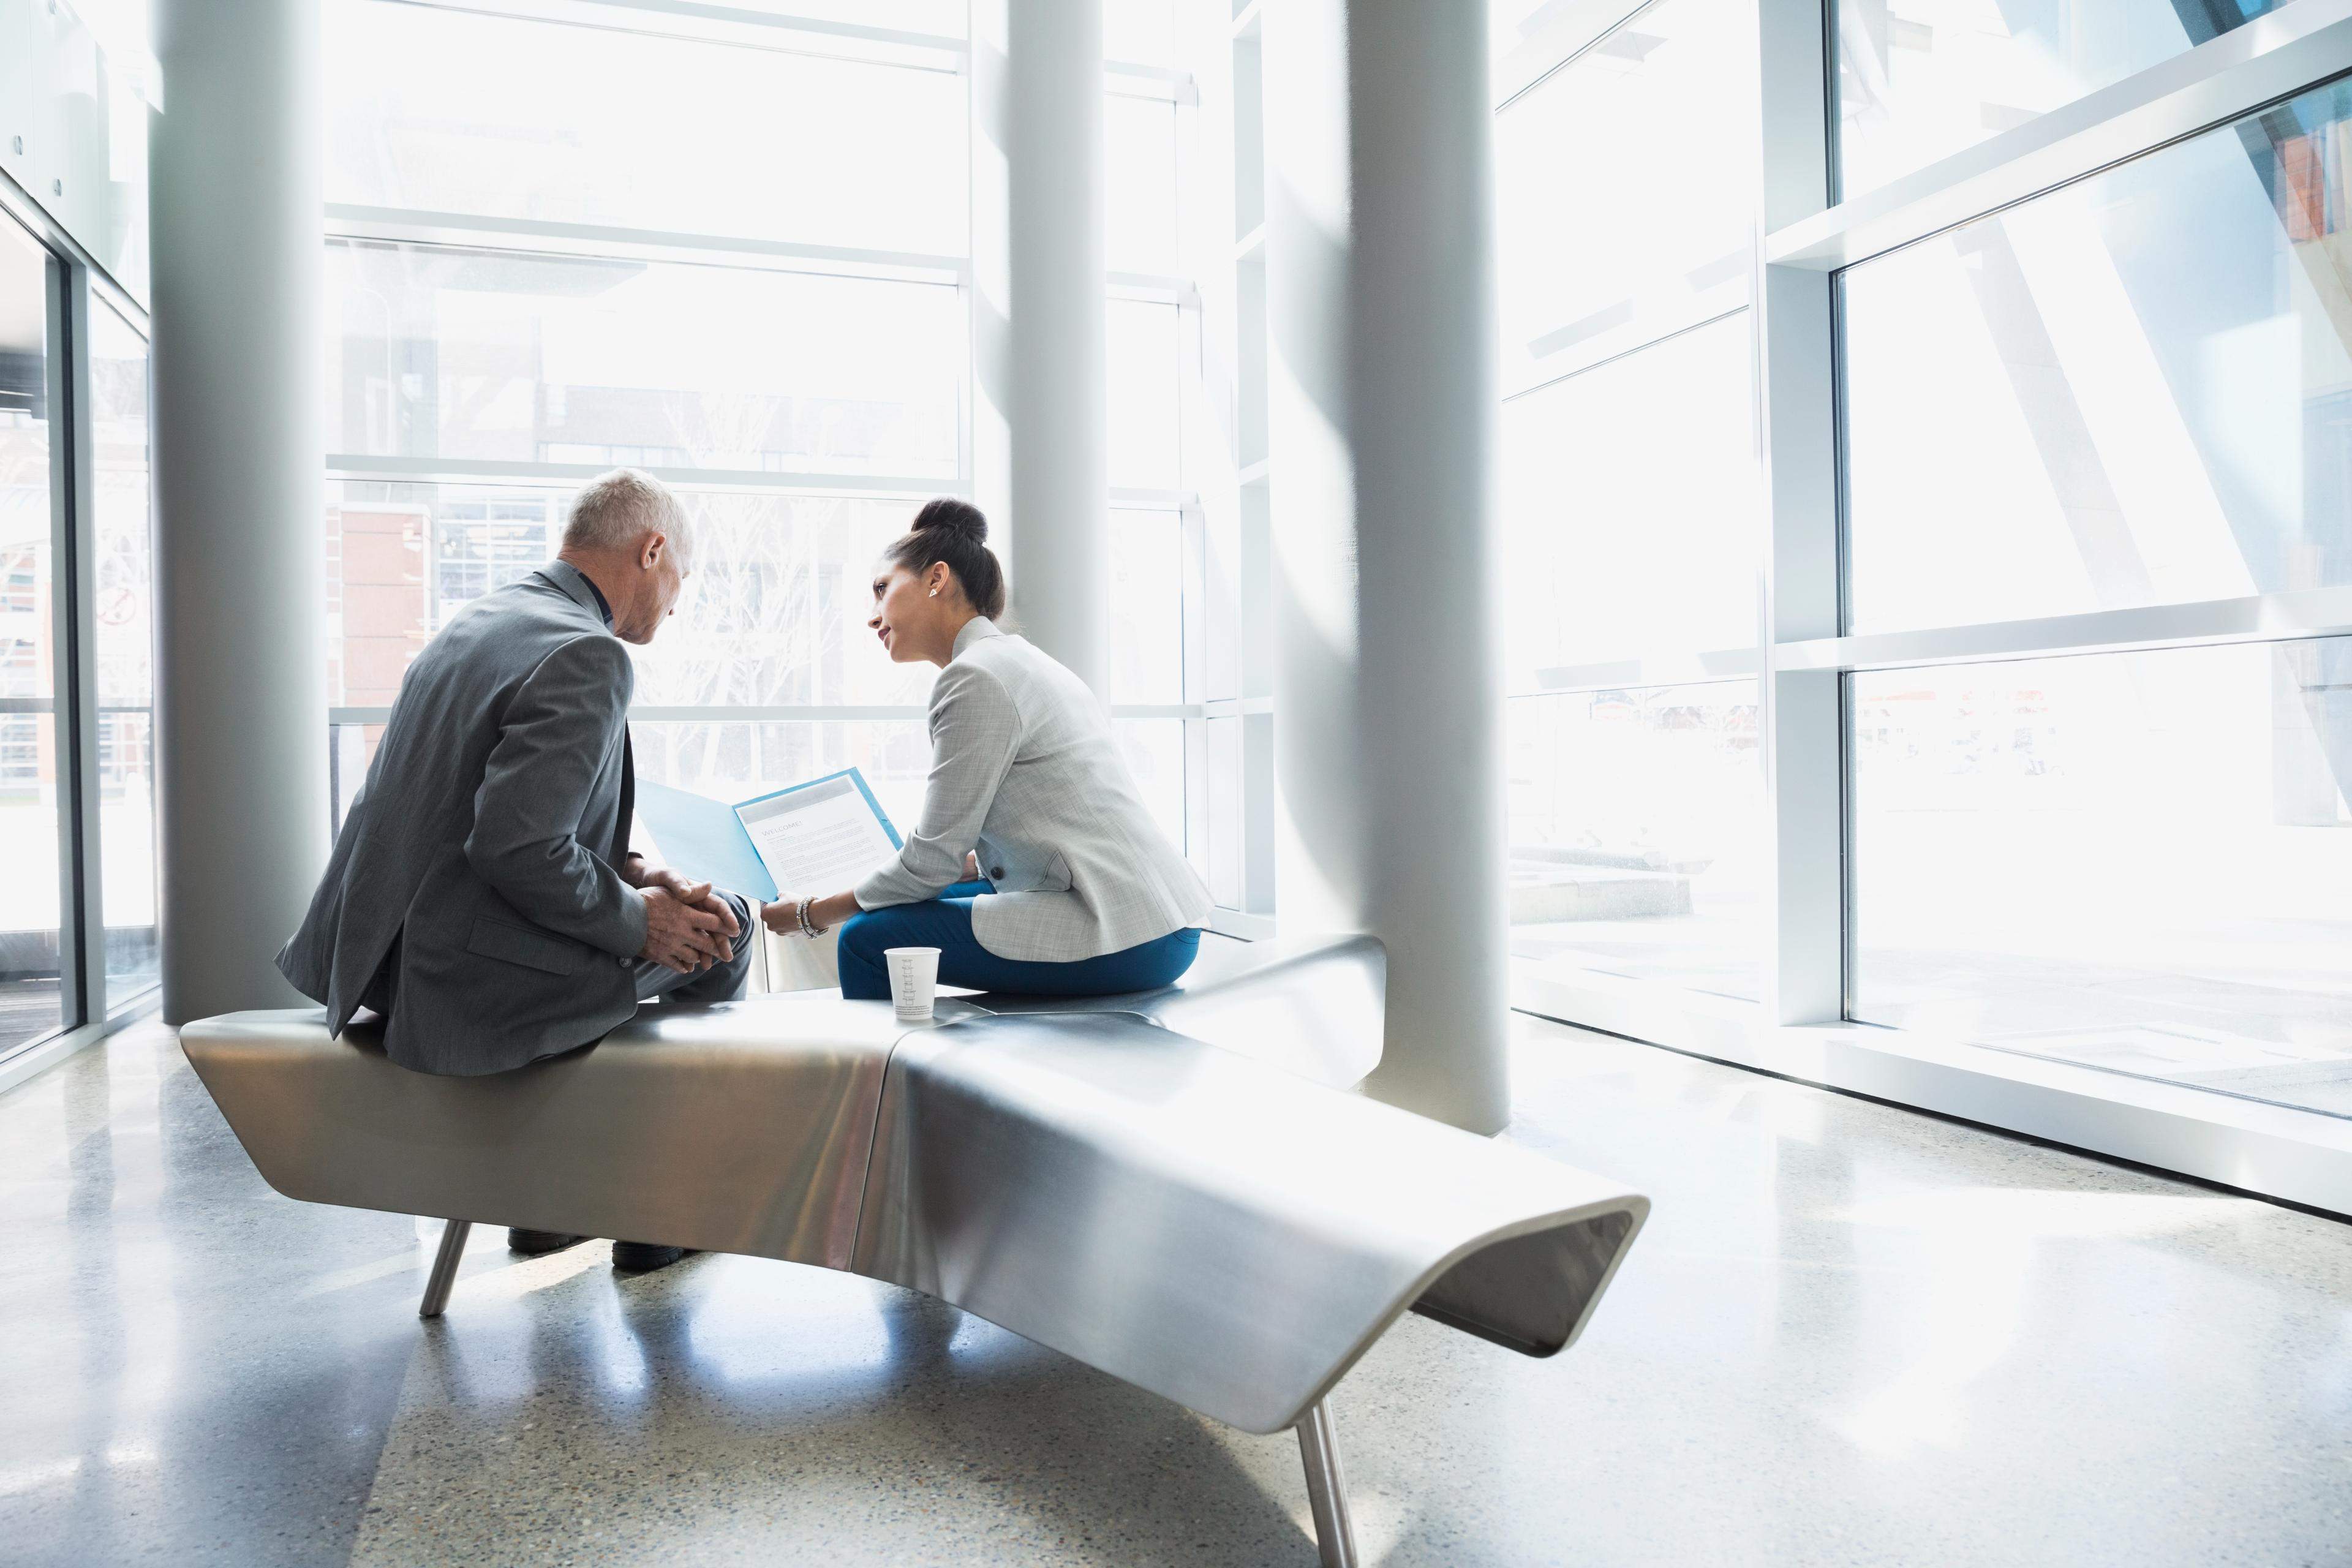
629	797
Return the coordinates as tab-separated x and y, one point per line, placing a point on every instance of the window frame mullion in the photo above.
81	932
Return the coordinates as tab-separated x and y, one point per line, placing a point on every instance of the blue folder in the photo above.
705	839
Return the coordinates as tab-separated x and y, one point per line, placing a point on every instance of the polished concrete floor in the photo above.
2283	1038
1850	1335
28	1009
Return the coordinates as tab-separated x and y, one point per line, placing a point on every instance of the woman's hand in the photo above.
972	865
823	913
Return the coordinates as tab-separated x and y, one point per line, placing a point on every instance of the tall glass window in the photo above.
2008	715
723	247
1920	79
1145	448
123	533
2135	390
1627	185
2141	862
1147	590
1636	832
455	111
1630	507
33	769
1631	514
732	250
1147	649
734	759
774	614
1143	31
518	359
1140	201
1146	332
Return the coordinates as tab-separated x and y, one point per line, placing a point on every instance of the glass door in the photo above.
34	766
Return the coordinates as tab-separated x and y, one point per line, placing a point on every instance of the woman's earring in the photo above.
935	592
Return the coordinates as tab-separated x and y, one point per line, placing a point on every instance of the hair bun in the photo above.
948	515
956	532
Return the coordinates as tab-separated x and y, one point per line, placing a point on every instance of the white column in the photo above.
1803	728
1056	373
240	677
1381	406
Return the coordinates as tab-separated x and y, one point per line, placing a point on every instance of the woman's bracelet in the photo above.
808	929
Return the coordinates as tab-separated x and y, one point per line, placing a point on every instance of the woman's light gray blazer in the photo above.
1025	769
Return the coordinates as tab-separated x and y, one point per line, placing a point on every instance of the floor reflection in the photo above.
1848	1333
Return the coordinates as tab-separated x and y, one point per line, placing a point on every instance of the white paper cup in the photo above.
914	980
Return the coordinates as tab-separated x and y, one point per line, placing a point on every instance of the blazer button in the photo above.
994	872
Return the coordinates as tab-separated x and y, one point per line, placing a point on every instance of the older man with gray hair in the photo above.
481	895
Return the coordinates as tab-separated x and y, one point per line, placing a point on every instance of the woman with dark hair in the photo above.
1035	868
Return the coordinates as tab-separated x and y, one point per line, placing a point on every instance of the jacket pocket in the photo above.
531	949
1021	867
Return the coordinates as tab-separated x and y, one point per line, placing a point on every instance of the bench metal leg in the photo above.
1327	1488
445	1267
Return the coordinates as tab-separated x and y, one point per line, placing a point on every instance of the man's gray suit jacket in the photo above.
482	855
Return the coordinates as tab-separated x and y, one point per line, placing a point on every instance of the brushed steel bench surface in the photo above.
1207	1227
1175	1187
740	1128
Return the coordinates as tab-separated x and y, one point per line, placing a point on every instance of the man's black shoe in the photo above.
534	1242
642	1257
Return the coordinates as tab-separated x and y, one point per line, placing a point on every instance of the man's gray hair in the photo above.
615	510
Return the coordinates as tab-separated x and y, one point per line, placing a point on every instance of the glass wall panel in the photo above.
2141	862
125	647
732	759
1637	835
1141	196
1145	447
774	613
1147	577
776	610
456	111
2137	390
1218	851
1920	79
947	18
351	749
1514	27
1626	187
1632	509
32	773
1140	31
440	353
1154	753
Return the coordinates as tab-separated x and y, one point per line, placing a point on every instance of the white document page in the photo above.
817	840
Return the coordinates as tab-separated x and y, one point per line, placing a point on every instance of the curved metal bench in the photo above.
1174	1187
